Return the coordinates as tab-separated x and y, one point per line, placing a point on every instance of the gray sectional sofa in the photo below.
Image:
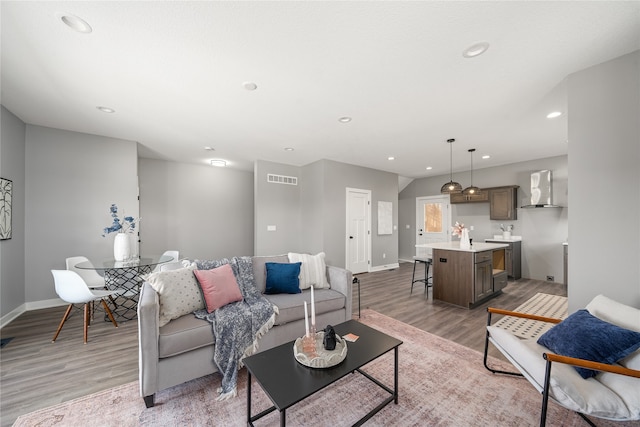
182	349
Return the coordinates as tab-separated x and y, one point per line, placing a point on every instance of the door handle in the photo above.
351	237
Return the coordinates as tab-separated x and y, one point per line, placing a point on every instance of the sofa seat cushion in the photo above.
184	334
291	306
591	395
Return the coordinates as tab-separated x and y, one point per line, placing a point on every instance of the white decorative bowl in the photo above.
324	358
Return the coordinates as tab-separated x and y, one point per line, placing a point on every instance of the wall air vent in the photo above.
281	179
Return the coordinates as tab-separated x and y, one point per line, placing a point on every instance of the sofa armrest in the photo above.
340	280
148	333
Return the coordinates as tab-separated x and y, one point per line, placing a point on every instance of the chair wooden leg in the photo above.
64	319
108	310
86	322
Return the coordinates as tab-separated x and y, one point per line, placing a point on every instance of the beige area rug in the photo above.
541	305
441	384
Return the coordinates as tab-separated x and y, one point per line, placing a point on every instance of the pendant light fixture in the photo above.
471	190
451	186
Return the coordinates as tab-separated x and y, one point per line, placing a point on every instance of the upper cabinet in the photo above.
503	203
483	196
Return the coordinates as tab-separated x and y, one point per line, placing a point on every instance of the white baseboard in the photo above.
384	267
28	306
7	318
405	260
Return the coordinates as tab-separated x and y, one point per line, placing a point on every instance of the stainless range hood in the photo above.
541	191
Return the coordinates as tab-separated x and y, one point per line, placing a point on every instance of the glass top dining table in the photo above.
142	262
126	277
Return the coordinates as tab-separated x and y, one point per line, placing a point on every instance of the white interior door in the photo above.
358	238
433	219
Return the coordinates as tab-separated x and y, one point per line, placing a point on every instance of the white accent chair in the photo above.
613	394
71	288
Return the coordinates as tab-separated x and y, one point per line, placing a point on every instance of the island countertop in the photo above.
455	246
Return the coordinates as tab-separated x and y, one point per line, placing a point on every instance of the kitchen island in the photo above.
467	277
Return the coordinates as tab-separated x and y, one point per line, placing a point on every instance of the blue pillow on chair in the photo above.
584	336
282	278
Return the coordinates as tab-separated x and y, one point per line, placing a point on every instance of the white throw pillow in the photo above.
313	271
178	291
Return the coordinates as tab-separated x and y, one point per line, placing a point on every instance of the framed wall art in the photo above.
385	217
6	195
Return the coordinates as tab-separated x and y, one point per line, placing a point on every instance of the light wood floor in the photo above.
35	373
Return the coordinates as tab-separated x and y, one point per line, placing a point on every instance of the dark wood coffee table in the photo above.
288	382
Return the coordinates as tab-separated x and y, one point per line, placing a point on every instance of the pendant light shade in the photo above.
471	190
451	186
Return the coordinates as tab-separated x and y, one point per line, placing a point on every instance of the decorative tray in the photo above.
324	358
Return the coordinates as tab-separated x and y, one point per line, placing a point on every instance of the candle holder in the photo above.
309	342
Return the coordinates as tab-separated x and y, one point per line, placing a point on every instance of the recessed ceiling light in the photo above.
77	24
218	163
475	49
250	85
554	114
288	149
486	156
429	168
391	158
344	119
209	148
106	109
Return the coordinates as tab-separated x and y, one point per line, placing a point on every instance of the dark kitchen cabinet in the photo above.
503	203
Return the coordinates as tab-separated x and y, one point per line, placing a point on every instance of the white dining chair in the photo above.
174	254
90	276
71	288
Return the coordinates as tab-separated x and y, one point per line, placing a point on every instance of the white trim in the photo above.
29	306
384	267
7	318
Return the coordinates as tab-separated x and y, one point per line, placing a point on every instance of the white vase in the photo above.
122	247
506	235
464	239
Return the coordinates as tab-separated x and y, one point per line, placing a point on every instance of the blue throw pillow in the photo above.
584	336
283	278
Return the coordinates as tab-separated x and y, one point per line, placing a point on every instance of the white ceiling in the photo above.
174	73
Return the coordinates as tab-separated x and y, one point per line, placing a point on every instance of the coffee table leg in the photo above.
249	398
395	375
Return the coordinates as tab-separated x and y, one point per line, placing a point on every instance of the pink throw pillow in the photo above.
219	286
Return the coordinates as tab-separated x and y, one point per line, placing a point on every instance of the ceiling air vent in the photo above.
281	179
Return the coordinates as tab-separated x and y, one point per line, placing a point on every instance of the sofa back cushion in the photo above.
260	269
313	271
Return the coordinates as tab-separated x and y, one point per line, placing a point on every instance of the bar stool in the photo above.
427	263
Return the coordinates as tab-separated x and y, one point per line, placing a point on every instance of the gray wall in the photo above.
604	162
71	180
383	186
202	211
277	205
542	230
311	217
12	255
